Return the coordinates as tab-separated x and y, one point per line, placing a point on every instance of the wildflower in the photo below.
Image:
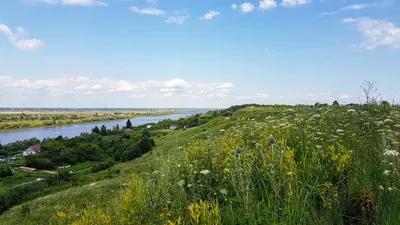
380	187
179	165
205	172
339	130
391	153
189	185
222	130
390	188
386	172
181	183
351	111
388	121
223	191
319	146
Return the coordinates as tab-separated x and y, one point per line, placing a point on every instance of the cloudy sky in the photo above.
208	53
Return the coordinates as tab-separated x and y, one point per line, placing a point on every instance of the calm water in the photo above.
75	130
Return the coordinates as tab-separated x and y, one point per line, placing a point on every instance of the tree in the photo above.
95	130
145	145
335	103
103	131
145	133
370	92
117	127
128	124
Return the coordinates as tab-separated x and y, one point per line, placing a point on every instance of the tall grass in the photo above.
321	165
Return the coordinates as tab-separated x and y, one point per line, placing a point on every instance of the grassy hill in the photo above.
263	165
99	193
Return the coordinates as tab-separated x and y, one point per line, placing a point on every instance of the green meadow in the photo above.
262	165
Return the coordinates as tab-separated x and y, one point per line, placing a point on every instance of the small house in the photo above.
149	126
31	150
173	127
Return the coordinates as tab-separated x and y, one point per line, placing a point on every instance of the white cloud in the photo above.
73	2
97	87
177	19
356	7
267	4
147	11
86	87
210	15
19	40
234	6
344	96
81	87
176	83
138	96
376	32
246	7
255	96
293	3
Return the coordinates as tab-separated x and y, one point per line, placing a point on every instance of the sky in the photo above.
203	54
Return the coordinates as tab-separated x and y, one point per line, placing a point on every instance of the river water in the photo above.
77	129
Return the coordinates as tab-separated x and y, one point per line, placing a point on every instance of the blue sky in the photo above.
209	53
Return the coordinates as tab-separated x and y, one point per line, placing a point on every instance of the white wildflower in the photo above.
319	146
388	121
386	172
205	172
391	153
380	187
181	183
223	191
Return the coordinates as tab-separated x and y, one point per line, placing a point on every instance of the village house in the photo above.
173	127
32	150
128	130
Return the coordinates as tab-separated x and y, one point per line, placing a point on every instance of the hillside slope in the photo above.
100	193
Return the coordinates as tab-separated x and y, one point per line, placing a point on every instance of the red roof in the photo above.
128	130
36	148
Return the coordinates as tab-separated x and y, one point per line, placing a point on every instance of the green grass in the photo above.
265	165
106	187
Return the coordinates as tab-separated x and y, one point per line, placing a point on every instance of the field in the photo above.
18	120
267	165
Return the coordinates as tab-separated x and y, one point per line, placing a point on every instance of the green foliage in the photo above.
5	171
102	166
96	130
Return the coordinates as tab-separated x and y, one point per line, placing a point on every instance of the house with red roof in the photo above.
32	150
128	130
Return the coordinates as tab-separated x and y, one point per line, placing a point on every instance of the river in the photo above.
77	129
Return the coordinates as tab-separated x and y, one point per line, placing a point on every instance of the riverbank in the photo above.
17	120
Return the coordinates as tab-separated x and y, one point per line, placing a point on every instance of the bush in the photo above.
102	166
39	162
5	172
